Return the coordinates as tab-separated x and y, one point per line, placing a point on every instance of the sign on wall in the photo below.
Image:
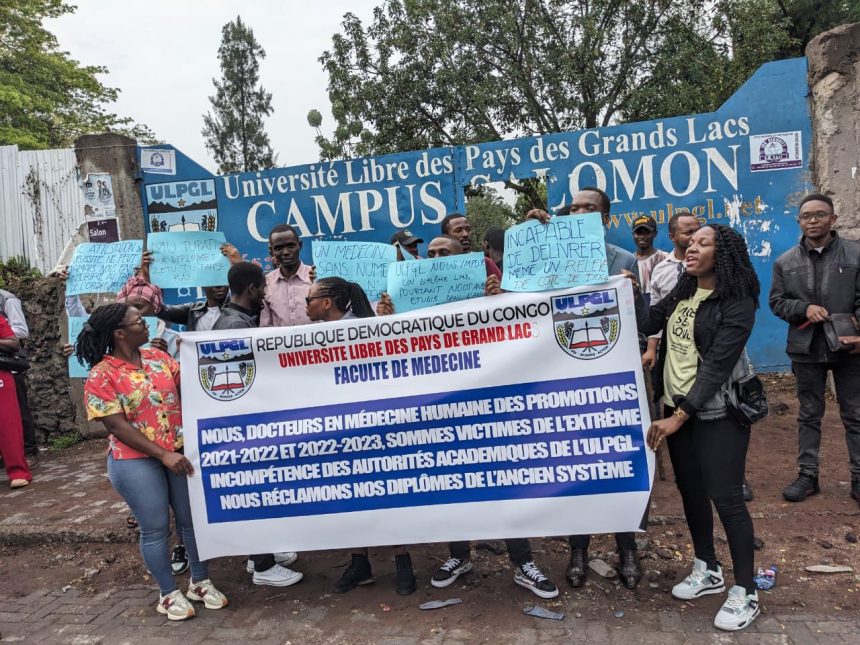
744	165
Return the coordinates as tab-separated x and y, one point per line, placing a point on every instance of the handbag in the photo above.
13	363
744	394
840	325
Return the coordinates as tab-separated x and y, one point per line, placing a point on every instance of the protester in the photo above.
11	433
406	242
647	257
10	307
813	282
333	299
134	391
457	226
286	286
247	298
618	262
199	315
494	245
706	321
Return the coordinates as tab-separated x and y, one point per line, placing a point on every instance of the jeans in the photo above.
150	490
811	381
709	458
519	550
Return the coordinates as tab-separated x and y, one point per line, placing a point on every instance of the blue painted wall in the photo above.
745	165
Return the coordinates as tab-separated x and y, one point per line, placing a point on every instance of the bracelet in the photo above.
683	416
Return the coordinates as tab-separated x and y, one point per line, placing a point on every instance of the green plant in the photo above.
63	441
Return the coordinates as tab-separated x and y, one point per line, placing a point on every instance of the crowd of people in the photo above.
696	309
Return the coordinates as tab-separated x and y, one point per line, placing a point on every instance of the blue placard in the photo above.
363	262
424	283
569	251
102	268
76	368
188	259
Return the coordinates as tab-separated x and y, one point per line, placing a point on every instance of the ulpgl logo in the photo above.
587	325
226	368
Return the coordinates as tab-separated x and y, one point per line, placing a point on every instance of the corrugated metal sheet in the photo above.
41	203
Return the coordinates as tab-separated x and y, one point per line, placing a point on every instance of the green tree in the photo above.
47	99
436	73
233	129
484	209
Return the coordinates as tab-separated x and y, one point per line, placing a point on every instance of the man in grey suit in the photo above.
618	261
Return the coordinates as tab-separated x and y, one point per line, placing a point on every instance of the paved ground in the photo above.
71	574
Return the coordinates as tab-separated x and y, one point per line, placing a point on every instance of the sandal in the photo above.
131	522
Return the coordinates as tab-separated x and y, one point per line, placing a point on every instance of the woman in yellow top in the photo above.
134	391
706	321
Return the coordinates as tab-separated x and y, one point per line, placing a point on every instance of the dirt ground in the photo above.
822	530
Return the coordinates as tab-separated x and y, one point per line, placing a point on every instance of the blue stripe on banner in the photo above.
568	437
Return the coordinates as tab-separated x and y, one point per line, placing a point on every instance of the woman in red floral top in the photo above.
134	391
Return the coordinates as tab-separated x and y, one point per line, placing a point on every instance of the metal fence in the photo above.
41	203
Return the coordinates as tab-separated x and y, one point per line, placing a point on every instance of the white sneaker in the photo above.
700	582
205	592
277	576
285	559
739	610
175	606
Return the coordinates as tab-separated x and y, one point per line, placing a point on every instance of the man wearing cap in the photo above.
647	257
404	240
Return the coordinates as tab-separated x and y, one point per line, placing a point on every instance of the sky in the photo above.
162	55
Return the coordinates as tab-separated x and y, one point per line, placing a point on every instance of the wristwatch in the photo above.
683	416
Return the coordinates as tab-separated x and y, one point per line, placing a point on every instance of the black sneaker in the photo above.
450	571
405	579
576	571
529	576
179	560
357	573
748	491
629	570
801	488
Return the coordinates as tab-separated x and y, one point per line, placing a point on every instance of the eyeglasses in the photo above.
139	321
818	216
309	298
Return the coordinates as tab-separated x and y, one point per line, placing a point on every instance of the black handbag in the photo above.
744	394
13	363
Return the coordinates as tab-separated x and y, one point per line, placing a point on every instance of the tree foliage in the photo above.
484	210
47	99
450	72
233	129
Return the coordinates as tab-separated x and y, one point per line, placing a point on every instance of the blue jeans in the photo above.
150	490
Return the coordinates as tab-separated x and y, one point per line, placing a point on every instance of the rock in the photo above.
492	548
850	537
642	542
602	569
89	574
664	553
779	408
829	568
758	544
619	614
653	585
825	544
652	576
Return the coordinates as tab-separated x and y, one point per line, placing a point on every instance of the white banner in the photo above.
518	415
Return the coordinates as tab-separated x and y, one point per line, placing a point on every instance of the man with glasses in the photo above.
812	283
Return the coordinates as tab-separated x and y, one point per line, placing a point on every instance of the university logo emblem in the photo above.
774	149
587	325
226	367
181	206
157	160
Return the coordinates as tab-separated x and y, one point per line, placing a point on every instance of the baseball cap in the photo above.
404	237
645	222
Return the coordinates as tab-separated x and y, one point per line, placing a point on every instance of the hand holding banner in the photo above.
569	251
436	281
365	263
101	268
188	259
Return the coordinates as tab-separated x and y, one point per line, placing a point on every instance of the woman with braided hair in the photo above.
706	321
331	299
134	392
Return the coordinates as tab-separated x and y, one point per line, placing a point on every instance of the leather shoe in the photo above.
801	488
748	491
629	570
576	572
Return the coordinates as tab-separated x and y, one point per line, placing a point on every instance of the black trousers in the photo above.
624	541
709	458
26	416
519	550
263	562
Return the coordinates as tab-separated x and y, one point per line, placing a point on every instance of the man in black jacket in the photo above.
197	315
815	279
